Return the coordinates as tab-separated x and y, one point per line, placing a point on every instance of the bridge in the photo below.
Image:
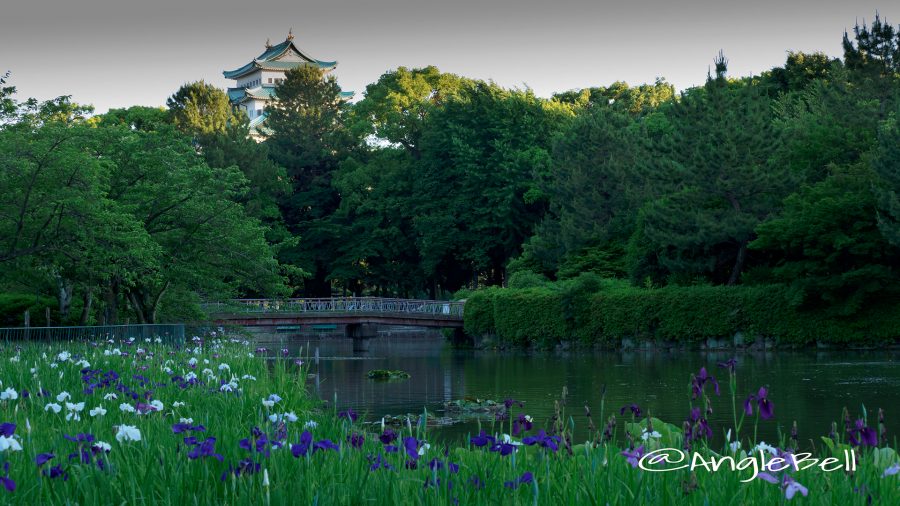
359	315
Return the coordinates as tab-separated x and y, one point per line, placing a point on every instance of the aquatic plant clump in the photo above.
218	422
384	374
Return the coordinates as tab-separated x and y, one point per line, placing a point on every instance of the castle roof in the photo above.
284	56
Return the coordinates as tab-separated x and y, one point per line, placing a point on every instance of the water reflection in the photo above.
810	387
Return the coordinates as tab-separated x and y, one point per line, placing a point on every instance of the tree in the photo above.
204	240
886	164
310	139
477	196
828	245
397	106
715	182
202	109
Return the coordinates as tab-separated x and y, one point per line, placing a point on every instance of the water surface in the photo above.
810	387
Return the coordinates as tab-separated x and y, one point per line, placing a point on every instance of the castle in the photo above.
256	81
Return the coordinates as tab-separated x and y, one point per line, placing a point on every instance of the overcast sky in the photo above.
116	53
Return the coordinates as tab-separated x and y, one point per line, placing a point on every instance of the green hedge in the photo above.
478	313
605	313
532	315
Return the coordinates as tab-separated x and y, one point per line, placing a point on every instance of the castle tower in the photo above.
256	81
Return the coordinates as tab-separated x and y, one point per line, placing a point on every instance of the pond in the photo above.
810	386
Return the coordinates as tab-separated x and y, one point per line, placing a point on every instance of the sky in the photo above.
118	53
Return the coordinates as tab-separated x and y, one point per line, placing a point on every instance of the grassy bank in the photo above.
606	313
219	422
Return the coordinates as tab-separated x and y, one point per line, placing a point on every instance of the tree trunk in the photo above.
111	301
88	298
65	290
738	264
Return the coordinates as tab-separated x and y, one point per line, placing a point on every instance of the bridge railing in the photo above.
443	308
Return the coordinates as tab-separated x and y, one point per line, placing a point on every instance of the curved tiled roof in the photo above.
268	60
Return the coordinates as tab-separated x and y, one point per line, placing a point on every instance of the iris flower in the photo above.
522	423
128	433
729	364
861	435
634	408
356	440
483	439
42	458
527	477
543	440
699	381
634	456
6	480
205	449
301	449
348	414
763	403
388	436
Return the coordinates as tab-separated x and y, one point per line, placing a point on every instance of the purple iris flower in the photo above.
356	440
379	462
483	439
729	364
245	466
42	458
205	449
766	408
348	414
509	403
700	380
697	426
55	472
521	423
80	438
634	408
388	436
861	435
504	448
6	480
7	429
542	439
634	456
301	449
527	477
391	449
411	445
178	428
324	445
791	487
476	482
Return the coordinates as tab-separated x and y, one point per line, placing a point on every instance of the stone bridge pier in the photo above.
361	333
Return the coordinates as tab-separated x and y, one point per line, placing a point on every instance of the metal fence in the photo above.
168	333
339	305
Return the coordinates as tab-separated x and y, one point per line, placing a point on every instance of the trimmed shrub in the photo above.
533	315
595	310
478	313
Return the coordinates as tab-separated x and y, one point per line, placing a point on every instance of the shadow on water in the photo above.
811	387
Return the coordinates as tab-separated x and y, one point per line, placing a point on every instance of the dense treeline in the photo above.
433	182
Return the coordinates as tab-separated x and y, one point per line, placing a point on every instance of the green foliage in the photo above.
14	305
527	279
309	139
478	315
202	109
533	315
829	246
593	310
